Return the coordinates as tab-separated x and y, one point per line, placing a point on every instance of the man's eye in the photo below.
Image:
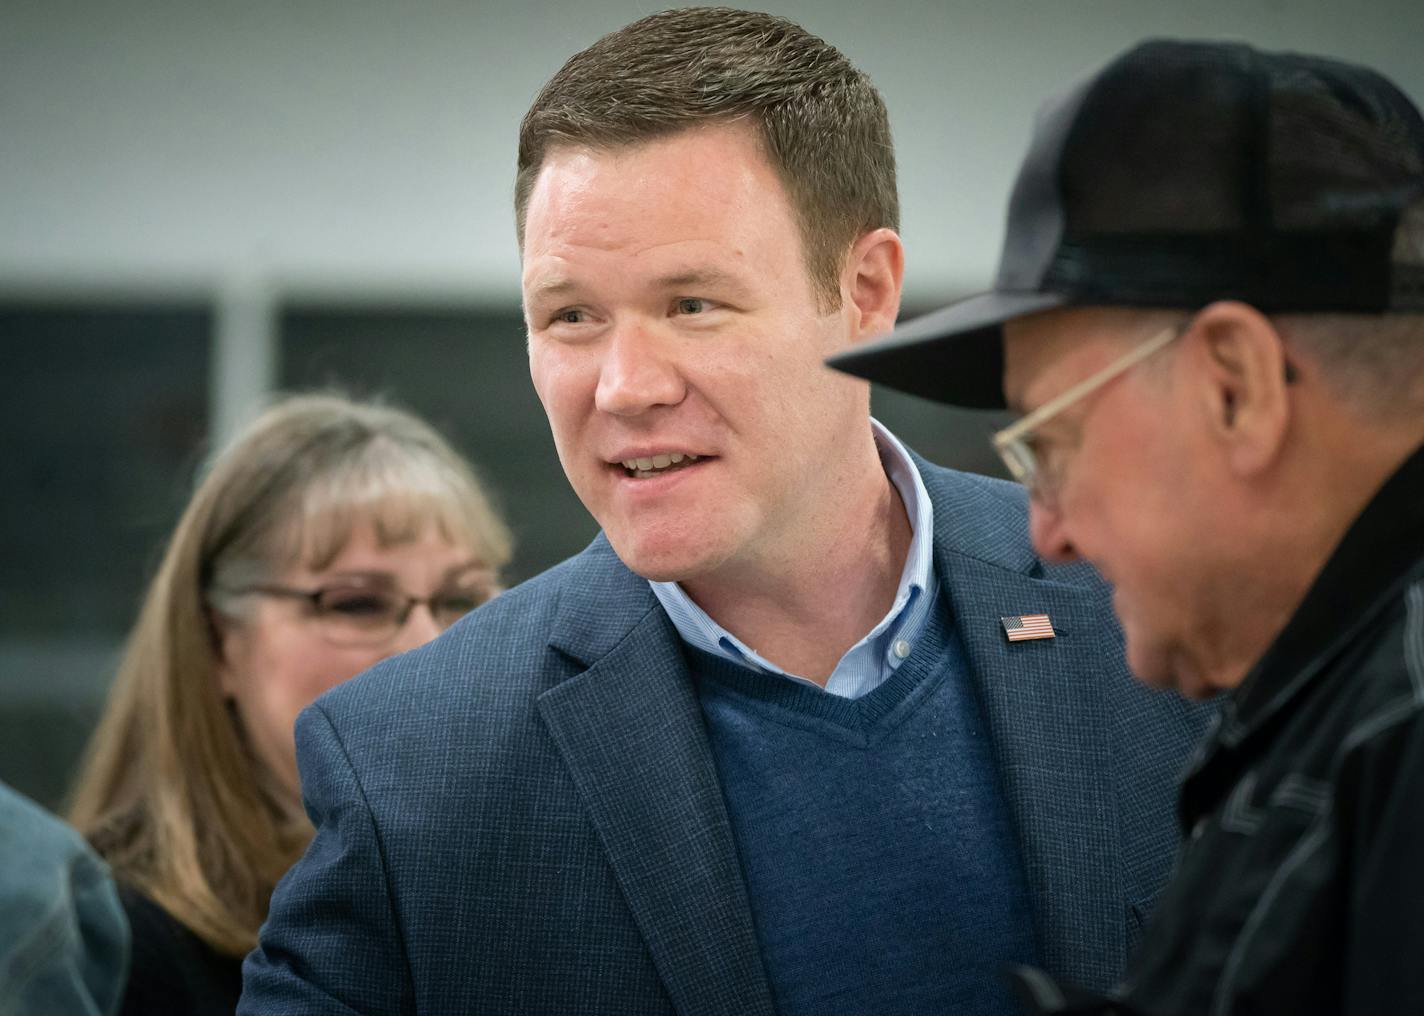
691	305
569	316
1049	456
1040	449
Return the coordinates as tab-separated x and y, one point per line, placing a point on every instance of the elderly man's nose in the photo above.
1048	532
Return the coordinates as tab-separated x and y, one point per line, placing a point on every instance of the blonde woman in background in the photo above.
330	535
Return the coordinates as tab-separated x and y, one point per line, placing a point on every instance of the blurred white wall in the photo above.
356	146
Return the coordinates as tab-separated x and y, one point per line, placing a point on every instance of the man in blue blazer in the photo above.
808	728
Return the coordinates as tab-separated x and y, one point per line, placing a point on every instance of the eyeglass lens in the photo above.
362	613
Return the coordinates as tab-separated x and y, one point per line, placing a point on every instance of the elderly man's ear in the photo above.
1243	373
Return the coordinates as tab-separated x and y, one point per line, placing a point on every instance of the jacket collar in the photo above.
1376	553
600	602
977	517
630	730
1041	699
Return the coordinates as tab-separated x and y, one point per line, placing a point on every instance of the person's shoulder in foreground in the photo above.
64	943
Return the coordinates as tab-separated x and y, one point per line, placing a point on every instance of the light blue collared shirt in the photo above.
867	664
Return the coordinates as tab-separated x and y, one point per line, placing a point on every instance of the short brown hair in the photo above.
822	122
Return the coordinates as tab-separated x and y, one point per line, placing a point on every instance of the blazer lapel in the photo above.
1043	704
631	733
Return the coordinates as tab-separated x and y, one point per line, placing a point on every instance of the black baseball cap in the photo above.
1179	174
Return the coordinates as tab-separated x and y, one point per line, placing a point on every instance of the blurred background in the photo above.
201	203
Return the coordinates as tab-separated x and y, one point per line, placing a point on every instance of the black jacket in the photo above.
1301	887
174	971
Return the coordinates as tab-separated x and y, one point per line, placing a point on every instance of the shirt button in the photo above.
901	649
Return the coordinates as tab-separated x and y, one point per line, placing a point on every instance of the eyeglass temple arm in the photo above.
1014	431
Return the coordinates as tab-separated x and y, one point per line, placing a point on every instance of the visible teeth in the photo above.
657	462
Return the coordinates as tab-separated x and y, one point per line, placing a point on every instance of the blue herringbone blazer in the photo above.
524	816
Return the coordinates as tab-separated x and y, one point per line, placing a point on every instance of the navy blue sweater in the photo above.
883	869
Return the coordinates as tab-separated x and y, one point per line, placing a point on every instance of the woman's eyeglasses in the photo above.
362	614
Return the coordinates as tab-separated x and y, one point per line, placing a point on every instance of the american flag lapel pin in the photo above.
1022	627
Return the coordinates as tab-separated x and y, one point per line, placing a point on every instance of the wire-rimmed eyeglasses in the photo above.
1015	442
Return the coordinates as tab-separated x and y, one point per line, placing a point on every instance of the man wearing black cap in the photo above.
1209	307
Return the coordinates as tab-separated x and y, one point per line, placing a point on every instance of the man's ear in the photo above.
874	274
1242	366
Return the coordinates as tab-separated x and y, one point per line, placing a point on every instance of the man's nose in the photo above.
1048	532
638	373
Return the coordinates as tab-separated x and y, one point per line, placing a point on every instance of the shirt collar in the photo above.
698	629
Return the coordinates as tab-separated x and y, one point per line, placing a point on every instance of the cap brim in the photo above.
952	355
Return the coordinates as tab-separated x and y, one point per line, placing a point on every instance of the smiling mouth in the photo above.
657	465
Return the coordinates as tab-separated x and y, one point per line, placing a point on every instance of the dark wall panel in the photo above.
102	422
465	371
